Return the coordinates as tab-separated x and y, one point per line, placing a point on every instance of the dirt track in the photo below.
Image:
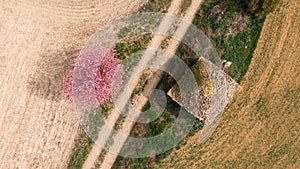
37	125
127	126
261	128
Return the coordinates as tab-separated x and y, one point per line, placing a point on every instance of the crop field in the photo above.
38	125
260	128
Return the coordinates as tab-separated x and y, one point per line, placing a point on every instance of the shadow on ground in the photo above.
47	81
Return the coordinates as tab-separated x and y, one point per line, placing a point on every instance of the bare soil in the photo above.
38	39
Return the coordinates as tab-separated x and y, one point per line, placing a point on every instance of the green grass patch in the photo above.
130	46
156	6
159	125
232	31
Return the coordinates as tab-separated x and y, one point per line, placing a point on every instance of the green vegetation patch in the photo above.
261	8
233	32
154	128
83	145
130	46
156	6
184	6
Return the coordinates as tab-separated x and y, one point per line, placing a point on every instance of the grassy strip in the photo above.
156	6
232	31
83	146
84	143
125	48
184	6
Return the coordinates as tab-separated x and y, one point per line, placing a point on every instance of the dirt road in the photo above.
114	114
38	38
126	127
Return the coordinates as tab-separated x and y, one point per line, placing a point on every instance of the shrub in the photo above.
261	8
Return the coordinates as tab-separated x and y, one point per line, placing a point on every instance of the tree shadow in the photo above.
47	81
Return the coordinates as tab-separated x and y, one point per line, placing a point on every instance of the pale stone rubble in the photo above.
215	90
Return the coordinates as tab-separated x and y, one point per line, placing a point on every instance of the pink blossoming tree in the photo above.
105	84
